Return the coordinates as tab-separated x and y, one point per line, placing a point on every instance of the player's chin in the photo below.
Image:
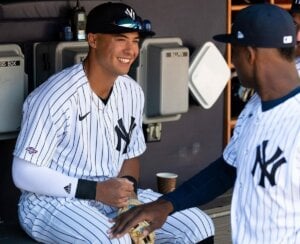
123	69
121	72
122	204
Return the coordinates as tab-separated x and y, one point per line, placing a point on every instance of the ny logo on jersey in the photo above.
275	162
123	134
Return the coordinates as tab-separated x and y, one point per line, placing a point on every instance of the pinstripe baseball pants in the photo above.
62	220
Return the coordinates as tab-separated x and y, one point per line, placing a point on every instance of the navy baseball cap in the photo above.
116	18
295	8
261	25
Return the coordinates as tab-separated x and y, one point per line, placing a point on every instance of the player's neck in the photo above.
276	80
101	82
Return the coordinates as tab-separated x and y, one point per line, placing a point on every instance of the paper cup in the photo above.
166	182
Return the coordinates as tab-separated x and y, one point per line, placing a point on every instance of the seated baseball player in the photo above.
76	159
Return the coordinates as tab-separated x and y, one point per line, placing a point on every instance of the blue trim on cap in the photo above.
266	105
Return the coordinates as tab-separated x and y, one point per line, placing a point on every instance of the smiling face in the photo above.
115	53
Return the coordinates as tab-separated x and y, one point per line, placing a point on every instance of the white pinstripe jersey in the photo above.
265	149
68	128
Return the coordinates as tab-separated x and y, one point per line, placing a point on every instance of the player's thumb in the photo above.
147	230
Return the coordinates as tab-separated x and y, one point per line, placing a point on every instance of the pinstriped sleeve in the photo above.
232	149
37	139
230	152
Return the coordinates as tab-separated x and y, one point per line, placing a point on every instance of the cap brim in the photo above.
114	29
226	38
146	33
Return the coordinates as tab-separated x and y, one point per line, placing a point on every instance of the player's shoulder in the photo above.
293	101
67	77
253	101
297	98
59	85
126	80
294	106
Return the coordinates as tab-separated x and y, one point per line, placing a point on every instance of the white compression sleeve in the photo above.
42	180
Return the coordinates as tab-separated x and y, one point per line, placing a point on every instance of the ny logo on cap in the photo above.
297	1
240	35
130	12
287	39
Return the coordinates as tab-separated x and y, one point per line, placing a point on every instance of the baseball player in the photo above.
76	158
262	160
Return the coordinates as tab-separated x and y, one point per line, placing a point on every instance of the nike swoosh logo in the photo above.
83	117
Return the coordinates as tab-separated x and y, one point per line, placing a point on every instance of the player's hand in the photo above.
155	213
114	192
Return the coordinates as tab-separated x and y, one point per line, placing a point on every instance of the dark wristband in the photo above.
86	189
133	180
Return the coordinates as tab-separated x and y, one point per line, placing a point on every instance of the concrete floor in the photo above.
221	218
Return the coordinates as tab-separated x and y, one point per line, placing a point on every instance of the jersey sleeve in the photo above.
38	136
231	150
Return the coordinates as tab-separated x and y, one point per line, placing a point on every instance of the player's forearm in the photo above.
131	167
42	180
211	182
45	181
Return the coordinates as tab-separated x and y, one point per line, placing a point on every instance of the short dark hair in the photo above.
289	53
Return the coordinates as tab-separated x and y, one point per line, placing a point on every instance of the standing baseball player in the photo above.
262	160
76	158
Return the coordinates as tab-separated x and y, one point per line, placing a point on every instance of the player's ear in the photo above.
250	54
91	39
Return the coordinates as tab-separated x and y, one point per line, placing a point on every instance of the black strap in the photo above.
86	189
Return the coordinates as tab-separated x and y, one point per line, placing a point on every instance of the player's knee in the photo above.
203	225
193	225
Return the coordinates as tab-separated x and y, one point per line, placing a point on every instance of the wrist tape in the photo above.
86	189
